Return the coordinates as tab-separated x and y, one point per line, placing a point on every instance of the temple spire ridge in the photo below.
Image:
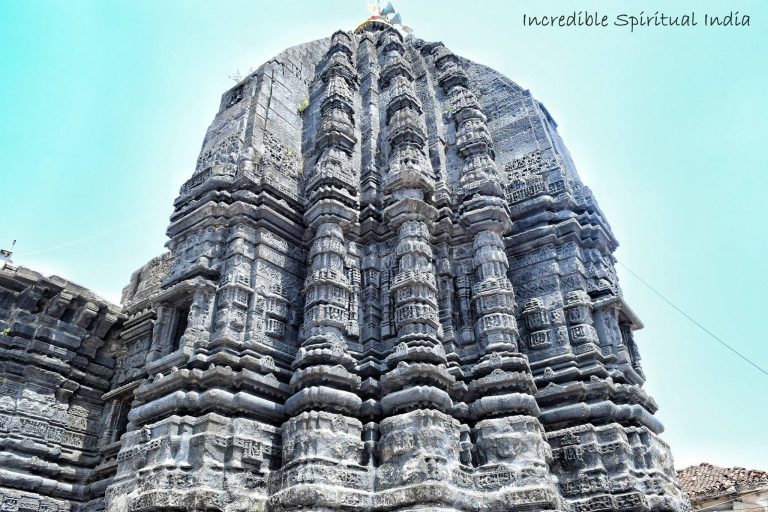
386	288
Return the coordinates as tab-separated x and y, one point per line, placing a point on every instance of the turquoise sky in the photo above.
105	104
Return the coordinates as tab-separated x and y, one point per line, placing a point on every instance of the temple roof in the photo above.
708	481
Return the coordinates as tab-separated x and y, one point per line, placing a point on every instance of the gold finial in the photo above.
383	17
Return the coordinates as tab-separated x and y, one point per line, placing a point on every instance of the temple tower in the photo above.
386	288
323	438
419	444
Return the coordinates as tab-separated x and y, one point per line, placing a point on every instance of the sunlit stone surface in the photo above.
386	289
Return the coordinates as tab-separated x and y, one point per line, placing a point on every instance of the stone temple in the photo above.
386	289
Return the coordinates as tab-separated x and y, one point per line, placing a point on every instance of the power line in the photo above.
90	237
689	317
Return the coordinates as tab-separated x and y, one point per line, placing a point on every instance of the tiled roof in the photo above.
708	481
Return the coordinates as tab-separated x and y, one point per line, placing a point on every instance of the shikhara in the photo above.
386	288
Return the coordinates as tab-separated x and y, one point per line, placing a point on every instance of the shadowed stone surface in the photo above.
386	289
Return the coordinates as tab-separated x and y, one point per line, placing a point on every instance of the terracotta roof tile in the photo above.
706	480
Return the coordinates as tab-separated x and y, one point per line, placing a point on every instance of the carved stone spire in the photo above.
386	289
416	384
502	388
324	431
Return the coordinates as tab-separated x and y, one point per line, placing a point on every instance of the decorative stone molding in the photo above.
386	289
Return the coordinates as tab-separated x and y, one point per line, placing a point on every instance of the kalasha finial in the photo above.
382	18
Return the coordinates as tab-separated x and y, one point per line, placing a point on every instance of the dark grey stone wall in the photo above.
386	289
54	371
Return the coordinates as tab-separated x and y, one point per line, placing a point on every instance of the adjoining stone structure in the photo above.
386	289
54	372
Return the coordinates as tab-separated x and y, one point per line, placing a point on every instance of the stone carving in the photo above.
54	369
400	298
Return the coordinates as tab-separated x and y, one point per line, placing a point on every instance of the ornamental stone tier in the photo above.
386	289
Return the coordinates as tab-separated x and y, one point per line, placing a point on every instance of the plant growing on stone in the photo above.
301	107
237	76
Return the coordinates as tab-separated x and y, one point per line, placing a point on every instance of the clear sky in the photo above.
104	105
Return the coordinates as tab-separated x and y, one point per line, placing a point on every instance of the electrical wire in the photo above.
689	317
90	237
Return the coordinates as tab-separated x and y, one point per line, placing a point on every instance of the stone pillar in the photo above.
234	293
419	443
322	441
508	436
